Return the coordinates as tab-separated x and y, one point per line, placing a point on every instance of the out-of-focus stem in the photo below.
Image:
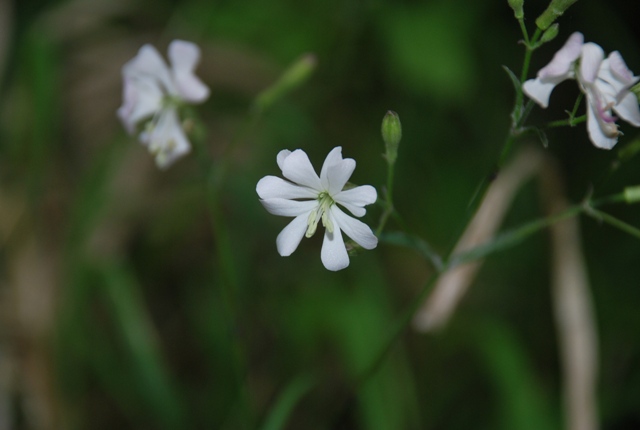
573	309
453	284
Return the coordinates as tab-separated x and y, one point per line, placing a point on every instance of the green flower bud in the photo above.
550	33
553	11
391	134
516	5
632	194
292	78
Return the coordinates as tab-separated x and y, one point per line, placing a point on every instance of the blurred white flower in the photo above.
152	94
310	198
606	83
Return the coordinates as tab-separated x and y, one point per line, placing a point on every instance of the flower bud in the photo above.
553	11
516	5
292	78
632	194
550	33
391	134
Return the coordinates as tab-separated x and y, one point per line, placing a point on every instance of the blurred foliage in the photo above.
139	332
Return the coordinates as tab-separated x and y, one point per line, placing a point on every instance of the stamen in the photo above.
320	212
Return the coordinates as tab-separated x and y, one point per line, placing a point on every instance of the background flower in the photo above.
153	90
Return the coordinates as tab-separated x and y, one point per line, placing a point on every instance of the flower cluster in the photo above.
311	198
605	82
153	93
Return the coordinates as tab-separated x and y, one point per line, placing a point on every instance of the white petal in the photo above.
355	229
149	65
619	69
540	90
297	168
562	62
166	140
334	157
272	186
285	207
628	109
355	198
281	157
290	237
142	98
338	175
592	57
334	254
184	57
600	137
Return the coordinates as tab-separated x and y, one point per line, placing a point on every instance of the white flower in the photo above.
153	93
606	83
310	198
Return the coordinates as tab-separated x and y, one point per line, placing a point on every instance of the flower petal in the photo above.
628	109
166	140
297	168
334	157
281	157
620	70
272	186
184	57
561	64
290	236
149	65
338	175
602	134
355	229
355	198
540	90
285	207
334	254
592	57
141	99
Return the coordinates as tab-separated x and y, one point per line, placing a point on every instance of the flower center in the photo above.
320	212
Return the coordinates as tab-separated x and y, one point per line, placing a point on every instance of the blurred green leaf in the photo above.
286	402
523	404
134	328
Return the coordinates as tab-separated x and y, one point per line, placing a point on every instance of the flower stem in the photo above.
571	122
613	221
388	202
213	178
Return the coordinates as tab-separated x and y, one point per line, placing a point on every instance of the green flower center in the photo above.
320	212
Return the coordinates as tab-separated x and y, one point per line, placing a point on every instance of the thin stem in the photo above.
213	176
525	33
530	46
389	208
613	221
397	330
571	122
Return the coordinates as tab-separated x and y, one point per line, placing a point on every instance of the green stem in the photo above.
389	208
613	221
396	332
571	122
530	46
525	33
213	179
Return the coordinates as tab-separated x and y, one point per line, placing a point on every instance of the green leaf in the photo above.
287	401
514	79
